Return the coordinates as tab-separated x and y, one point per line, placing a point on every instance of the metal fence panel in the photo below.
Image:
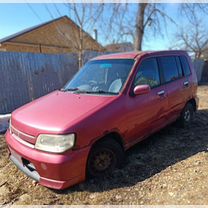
27	76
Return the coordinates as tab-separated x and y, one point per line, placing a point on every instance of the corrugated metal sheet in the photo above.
27	76
199	66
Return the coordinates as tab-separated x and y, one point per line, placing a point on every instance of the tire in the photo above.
187	115
104	157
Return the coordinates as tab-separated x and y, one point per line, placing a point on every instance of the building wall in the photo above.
60	36
20	48
34	48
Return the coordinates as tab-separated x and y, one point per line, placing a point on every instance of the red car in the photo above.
113	102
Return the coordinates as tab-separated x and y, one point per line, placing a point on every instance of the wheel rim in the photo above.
187	115
102	161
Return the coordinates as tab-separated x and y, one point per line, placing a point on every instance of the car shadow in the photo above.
163	149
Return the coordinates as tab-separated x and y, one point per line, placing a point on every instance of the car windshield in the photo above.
101	77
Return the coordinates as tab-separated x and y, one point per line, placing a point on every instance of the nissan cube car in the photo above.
113	102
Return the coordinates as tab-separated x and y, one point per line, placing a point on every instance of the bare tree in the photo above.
115	23
193	36
193	41
85	16
112	21
135	21
150	17
140	25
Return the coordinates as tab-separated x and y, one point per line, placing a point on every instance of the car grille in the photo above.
23	138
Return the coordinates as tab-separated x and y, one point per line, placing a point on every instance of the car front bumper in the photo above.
57	171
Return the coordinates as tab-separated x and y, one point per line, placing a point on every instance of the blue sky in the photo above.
16	17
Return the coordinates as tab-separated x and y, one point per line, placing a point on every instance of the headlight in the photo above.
55	143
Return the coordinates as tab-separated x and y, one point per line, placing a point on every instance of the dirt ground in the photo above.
171	167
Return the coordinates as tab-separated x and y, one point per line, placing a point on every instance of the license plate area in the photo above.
28	164
24	165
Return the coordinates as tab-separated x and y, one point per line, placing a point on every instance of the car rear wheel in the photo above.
187	115
104	157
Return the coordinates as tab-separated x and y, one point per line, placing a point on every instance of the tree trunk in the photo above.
81	48
199	54
80	59
139	26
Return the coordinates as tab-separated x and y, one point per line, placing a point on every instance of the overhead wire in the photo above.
34	12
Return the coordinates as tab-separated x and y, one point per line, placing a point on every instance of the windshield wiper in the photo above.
77	91
69	89
101	92
81	91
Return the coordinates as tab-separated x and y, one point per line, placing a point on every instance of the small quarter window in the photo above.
185	65
148	73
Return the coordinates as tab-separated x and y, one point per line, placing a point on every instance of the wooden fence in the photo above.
27	76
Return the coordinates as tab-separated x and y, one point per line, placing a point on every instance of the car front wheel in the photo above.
104	157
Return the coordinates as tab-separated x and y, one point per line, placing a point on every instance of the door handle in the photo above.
161	93
186	84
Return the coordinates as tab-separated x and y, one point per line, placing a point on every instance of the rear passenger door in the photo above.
173	79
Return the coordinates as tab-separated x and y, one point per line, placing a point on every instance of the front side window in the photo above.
101	77
148	73
169	67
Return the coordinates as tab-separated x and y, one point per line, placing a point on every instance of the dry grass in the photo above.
171	167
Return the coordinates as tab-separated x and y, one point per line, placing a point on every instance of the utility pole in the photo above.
96	34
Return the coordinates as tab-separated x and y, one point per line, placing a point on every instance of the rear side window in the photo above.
185	65
169	67
148	73
180	71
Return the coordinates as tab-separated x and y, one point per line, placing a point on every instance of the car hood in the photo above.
56	112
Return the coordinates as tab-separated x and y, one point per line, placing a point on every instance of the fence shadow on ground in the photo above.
161	150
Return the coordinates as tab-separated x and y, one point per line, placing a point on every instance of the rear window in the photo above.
169	68
185	65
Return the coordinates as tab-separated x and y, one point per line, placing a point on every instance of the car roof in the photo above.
136	54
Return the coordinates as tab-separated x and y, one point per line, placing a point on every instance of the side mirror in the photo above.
141	89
